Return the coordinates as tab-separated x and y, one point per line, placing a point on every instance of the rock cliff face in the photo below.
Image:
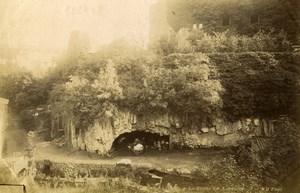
100	137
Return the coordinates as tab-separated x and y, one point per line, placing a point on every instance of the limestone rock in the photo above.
183	130
143	166
175	121
212	129
256	122
183	171
124	162
224	129
205	130
237	126
248	121
169	170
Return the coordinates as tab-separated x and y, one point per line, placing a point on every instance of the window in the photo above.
226	21
254	19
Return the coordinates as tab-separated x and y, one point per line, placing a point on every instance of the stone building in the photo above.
3	121
239	17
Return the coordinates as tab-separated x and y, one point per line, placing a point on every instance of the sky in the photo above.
47	24
50	22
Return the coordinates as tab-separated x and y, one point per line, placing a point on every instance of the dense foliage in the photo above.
25	93
95	86
261	84
235	85
224	42
180	79
143	84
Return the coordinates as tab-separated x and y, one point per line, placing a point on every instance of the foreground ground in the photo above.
217	165
158	159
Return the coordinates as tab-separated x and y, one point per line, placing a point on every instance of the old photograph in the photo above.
150	96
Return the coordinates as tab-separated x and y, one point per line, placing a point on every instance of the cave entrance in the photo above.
150	141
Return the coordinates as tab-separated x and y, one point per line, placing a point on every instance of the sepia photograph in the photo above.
149	96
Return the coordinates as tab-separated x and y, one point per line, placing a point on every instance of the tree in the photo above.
190	87
88	99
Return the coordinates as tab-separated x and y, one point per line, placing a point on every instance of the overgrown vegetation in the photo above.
182	80
143	85
224	42
25	93
207	178
258	84
187	41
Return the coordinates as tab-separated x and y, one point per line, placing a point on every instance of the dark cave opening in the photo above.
150	141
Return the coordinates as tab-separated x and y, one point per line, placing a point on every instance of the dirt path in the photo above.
20	140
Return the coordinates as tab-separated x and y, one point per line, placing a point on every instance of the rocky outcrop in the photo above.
100	137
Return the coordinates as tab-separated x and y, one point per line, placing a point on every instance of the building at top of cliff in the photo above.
241	17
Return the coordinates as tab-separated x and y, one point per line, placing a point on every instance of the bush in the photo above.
225	42
186	41
174	43
191	85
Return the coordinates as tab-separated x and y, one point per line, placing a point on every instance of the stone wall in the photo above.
100	137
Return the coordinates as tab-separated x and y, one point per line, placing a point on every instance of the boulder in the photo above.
205	130
225	128
143	166
256	122
169	170
124	162
183	171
